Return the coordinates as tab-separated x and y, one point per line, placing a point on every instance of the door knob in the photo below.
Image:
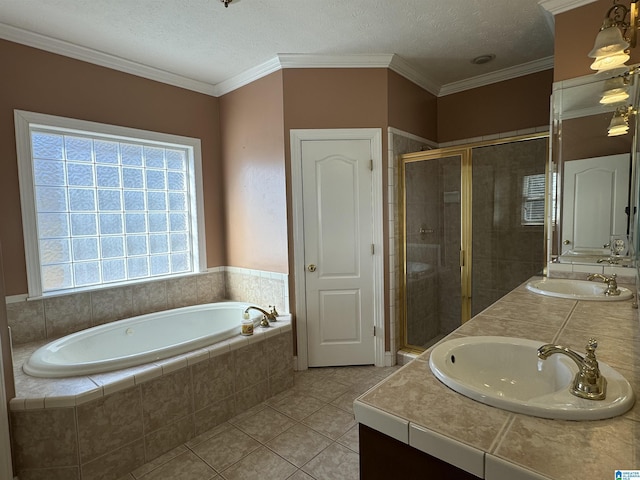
566	242
311	267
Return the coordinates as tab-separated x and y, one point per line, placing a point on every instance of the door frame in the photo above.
297	136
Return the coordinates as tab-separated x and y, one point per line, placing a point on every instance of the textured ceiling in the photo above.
203	41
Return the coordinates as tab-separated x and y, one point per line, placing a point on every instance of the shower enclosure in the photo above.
473	222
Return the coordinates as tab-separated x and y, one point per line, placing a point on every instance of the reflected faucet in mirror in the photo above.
593	199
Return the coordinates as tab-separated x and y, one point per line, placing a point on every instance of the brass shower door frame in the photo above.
466	171
464	153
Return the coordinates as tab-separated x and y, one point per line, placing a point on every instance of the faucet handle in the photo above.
589	383
274	312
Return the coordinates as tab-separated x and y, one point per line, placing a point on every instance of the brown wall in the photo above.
336	98
586	137
43	82
515	104
576	32
252	134
411	108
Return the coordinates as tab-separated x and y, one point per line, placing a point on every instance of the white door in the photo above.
339	249
596	193
338	236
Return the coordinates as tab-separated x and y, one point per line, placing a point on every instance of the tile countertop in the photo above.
414	407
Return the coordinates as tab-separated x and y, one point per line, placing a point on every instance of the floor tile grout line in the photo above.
352	386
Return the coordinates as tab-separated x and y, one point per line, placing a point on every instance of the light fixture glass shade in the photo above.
615	90
615	95
618	125
609	41
609	62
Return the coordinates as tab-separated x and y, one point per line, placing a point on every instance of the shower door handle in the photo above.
311	267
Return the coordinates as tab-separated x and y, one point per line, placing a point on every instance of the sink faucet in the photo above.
612	284
609	260
588	383
266	316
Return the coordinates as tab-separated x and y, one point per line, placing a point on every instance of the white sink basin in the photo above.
506	373
576	289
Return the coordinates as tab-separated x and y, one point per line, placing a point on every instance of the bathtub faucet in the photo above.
266	316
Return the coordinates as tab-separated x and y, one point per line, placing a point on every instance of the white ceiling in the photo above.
203	44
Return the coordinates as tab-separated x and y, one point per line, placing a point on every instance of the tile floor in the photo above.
307	432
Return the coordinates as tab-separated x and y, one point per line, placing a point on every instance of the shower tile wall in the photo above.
450	291
505	252
40	319
399	144
432	191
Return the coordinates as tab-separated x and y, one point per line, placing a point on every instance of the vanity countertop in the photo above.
414	407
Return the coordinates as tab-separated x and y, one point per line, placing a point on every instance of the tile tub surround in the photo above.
105	425
54	317
502	444
307	432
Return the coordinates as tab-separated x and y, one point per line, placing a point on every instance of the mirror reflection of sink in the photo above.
576	289
506	373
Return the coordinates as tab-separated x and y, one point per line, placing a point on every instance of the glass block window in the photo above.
108	208
533	188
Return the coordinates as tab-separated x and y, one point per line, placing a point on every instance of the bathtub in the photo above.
138	340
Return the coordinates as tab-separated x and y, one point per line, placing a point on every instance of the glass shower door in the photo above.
508	217
432	249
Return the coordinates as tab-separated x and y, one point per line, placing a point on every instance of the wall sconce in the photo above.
617	34
620	122
616	90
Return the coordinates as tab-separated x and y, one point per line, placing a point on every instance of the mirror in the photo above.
591	221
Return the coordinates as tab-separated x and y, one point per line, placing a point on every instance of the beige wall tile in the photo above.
109	423
181	292
251	365
166	399
45	438
213	380
111	304
280	352
26	320
252	396
169	437
214	414
61	473
67	314
149	297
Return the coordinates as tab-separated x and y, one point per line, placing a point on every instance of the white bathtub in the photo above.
138	340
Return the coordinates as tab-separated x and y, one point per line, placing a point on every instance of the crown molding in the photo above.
404	68
497	76
67	49
247	77
392	61
560	6
385	60
302	60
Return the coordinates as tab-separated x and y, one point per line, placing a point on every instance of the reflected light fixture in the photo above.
617	34
620	122
616	90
